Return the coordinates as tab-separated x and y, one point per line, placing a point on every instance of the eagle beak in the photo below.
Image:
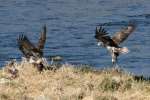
99	43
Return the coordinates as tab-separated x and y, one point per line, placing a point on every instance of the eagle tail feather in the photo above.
124	50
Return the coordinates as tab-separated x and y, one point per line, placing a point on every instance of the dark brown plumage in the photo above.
102	36
42	39
122	35
28	49
119	37
112	43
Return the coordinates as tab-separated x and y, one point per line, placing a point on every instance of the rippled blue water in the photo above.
71	25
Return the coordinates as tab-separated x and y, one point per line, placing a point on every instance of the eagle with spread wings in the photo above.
30	50
112	43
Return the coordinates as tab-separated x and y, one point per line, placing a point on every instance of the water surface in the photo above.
71	28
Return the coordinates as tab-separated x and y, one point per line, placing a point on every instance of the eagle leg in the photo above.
114	60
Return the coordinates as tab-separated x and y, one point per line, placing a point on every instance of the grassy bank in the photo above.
71	83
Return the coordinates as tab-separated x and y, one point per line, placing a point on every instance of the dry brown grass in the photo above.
71	83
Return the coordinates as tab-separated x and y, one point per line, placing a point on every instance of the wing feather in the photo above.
102	35
42	38
25	45
119	37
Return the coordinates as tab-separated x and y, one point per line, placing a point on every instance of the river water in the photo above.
71	29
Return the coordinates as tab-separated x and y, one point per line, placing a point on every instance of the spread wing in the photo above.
25	45
42	38
102	35
119	37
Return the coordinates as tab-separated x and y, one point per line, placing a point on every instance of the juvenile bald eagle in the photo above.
30	50
112	43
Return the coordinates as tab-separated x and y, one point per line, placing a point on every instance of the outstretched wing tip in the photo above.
21	37
122	35
44	27
132	24
101	33
42	38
